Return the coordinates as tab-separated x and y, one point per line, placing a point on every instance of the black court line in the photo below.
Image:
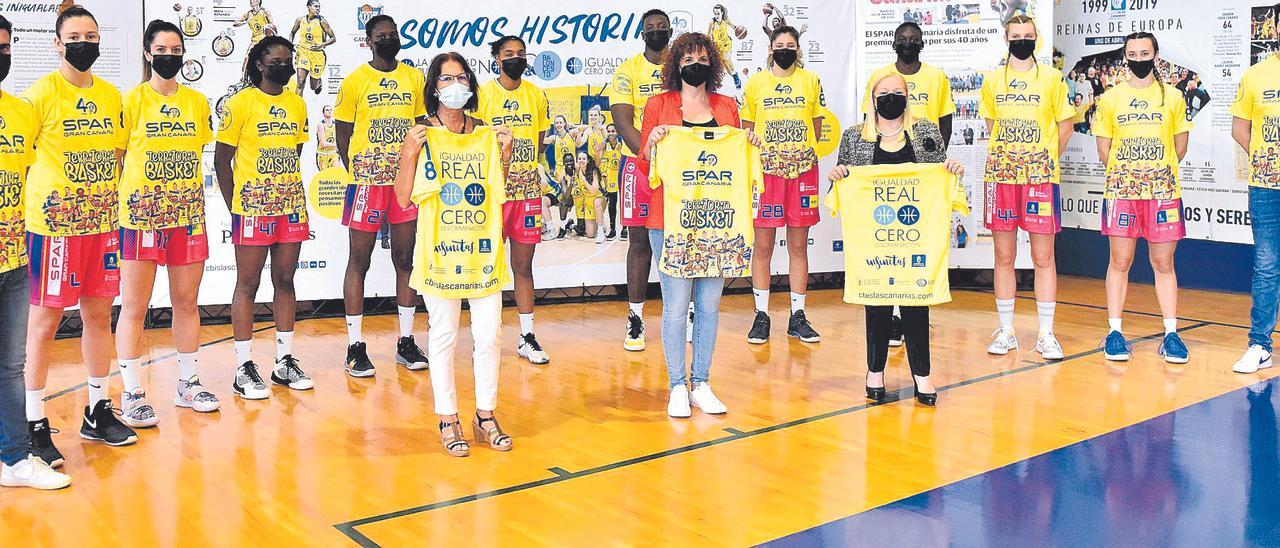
349	528
558	471
734	431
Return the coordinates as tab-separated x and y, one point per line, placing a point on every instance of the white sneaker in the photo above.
678	403
135	411
1254	358
248	382
1003	340
703	398
635	334
1048	347
193	395
33	473
600	236
529	349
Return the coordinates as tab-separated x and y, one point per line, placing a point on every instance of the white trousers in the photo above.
486	327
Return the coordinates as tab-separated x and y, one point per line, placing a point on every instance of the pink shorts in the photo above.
789	202
522	221
1033	208
636	194
64	268
366	206
1158	221
176	246
268	230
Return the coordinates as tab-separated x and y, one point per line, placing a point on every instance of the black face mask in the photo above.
784	58
1022	49
279	74
657	40
891	106
696	74
5	61
167	66
81	55
514	67
1142	69
387	48
908	52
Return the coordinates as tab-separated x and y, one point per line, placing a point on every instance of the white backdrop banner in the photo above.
1205	47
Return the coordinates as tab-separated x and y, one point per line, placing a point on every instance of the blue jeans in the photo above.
676	294
1264	212
13	354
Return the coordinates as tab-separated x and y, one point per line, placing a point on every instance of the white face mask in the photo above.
455	95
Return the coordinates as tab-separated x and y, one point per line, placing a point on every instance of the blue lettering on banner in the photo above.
433	33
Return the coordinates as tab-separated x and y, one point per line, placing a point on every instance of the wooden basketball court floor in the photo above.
597	461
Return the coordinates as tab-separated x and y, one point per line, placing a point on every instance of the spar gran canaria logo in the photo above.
276	127
705	174
89	126
916	98
167	126
1018	94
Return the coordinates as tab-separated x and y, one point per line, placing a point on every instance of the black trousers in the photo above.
915	328
611	206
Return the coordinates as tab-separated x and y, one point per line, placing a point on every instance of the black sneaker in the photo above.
895	331
623	235
101	424
799	328
41	444
358	364
561	234
409	355
759	333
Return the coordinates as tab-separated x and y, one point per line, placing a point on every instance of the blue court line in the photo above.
1204	475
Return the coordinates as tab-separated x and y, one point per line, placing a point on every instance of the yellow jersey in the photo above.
611	164
594	138
257	22
458	186
896	225
524	111
191	25
328	137
310	33
1026	107
708	178
1258	100
266	131
162	185
565	145
71	189
928	91
381	106
18	127
783	109
1141	124
634	82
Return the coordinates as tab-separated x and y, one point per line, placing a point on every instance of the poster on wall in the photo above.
120	26
964	40
1203	53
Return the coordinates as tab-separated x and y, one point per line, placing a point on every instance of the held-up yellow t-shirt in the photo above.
18	127
1026	107
525	112
163	183
634	82
783	110
459	189
266	131
928	91
71	189
709	177
1141	124
1258	100
382	106
896	225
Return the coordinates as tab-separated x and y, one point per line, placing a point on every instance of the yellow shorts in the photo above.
326	159
311	61
584	206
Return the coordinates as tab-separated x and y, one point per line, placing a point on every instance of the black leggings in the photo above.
915	329
611	206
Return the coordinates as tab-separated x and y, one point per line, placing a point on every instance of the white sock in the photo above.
35	404
406	320
797	302
762	299
897	312
98	390
129	373
1044	311
690	308
1114	324
186	365
637	308
526	323
1170	325
1004	308
243	351
355	329
284	343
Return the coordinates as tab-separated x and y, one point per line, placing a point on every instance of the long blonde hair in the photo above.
869	130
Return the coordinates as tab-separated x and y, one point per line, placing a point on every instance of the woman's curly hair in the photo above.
691	42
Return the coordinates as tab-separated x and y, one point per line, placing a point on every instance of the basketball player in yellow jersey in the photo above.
311	34
326	140
259	21
610	154
721	31
634	82
510	101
